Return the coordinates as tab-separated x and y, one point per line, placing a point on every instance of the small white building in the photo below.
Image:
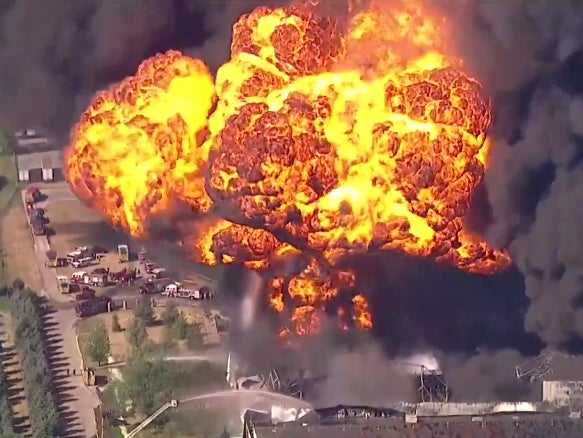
40	166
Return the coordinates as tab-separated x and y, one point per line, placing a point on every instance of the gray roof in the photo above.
40	160
503	426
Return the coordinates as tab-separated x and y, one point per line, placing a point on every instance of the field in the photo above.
118	341
186	377
17	246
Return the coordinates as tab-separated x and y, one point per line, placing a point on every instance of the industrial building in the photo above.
557	414
37	159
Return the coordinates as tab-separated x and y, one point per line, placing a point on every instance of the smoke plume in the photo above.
528	54
55	55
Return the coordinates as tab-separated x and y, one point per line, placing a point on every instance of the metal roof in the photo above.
505	426
40	160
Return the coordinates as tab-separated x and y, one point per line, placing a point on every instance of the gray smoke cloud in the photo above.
534	177
55	55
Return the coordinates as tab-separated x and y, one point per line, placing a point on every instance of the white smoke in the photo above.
249	303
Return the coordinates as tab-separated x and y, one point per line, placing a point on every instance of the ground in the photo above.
17	246
191	375
118	341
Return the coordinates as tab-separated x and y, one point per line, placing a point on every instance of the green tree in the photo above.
7	141
147	382
115	326
144	312
137	336
181	327
98	346
170	314
194	338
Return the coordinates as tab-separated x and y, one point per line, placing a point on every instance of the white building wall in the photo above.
23	175
48	174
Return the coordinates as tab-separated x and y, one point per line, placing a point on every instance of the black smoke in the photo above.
530	57
55	55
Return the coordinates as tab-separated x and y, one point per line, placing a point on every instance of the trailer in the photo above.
123	253
63	284
93	307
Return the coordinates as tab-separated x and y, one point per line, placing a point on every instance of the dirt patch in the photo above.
117	340
75	225
19	259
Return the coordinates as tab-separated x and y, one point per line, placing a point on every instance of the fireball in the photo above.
321	137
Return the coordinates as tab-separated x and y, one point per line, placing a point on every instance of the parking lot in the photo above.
72	225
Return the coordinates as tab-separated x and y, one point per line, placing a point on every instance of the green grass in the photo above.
7	192
8	171
4	305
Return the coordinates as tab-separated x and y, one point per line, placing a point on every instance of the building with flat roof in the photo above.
38	167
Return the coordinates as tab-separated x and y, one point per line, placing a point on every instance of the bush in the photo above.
194	338
29	340
115	326
144	312
18	284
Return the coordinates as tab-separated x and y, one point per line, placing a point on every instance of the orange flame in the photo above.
318	136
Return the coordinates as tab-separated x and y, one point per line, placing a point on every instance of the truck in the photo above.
32	195
85	294
93	307
142	255
63	284
38	226
179	291
123	253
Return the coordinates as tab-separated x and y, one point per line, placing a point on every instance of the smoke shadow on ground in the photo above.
90	233
416	303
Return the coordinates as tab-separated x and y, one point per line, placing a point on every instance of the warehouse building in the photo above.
37	157
40	166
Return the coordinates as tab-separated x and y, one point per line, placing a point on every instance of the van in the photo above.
85	261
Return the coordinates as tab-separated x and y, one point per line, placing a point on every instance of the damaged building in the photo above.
557	414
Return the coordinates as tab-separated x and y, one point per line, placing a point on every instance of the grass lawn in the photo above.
8	180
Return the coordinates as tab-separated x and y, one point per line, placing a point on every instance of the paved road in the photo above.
56	194
83	399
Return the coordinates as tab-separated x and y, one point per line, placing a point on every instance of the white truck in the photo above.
176	290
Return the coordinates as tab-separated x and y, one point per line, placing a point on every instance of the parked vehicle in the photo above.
78	277
81	263
158	273
123	253
38	226
150	287
32	194
93	307
85	294
63	284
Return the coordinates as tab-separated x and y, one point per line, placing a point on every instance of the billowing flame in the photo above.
322	136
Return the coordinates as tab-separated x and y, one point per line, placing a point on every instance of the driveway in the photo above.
80	400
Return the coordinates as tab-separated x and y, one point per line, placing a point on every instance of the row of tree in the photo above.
6	416
26	311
